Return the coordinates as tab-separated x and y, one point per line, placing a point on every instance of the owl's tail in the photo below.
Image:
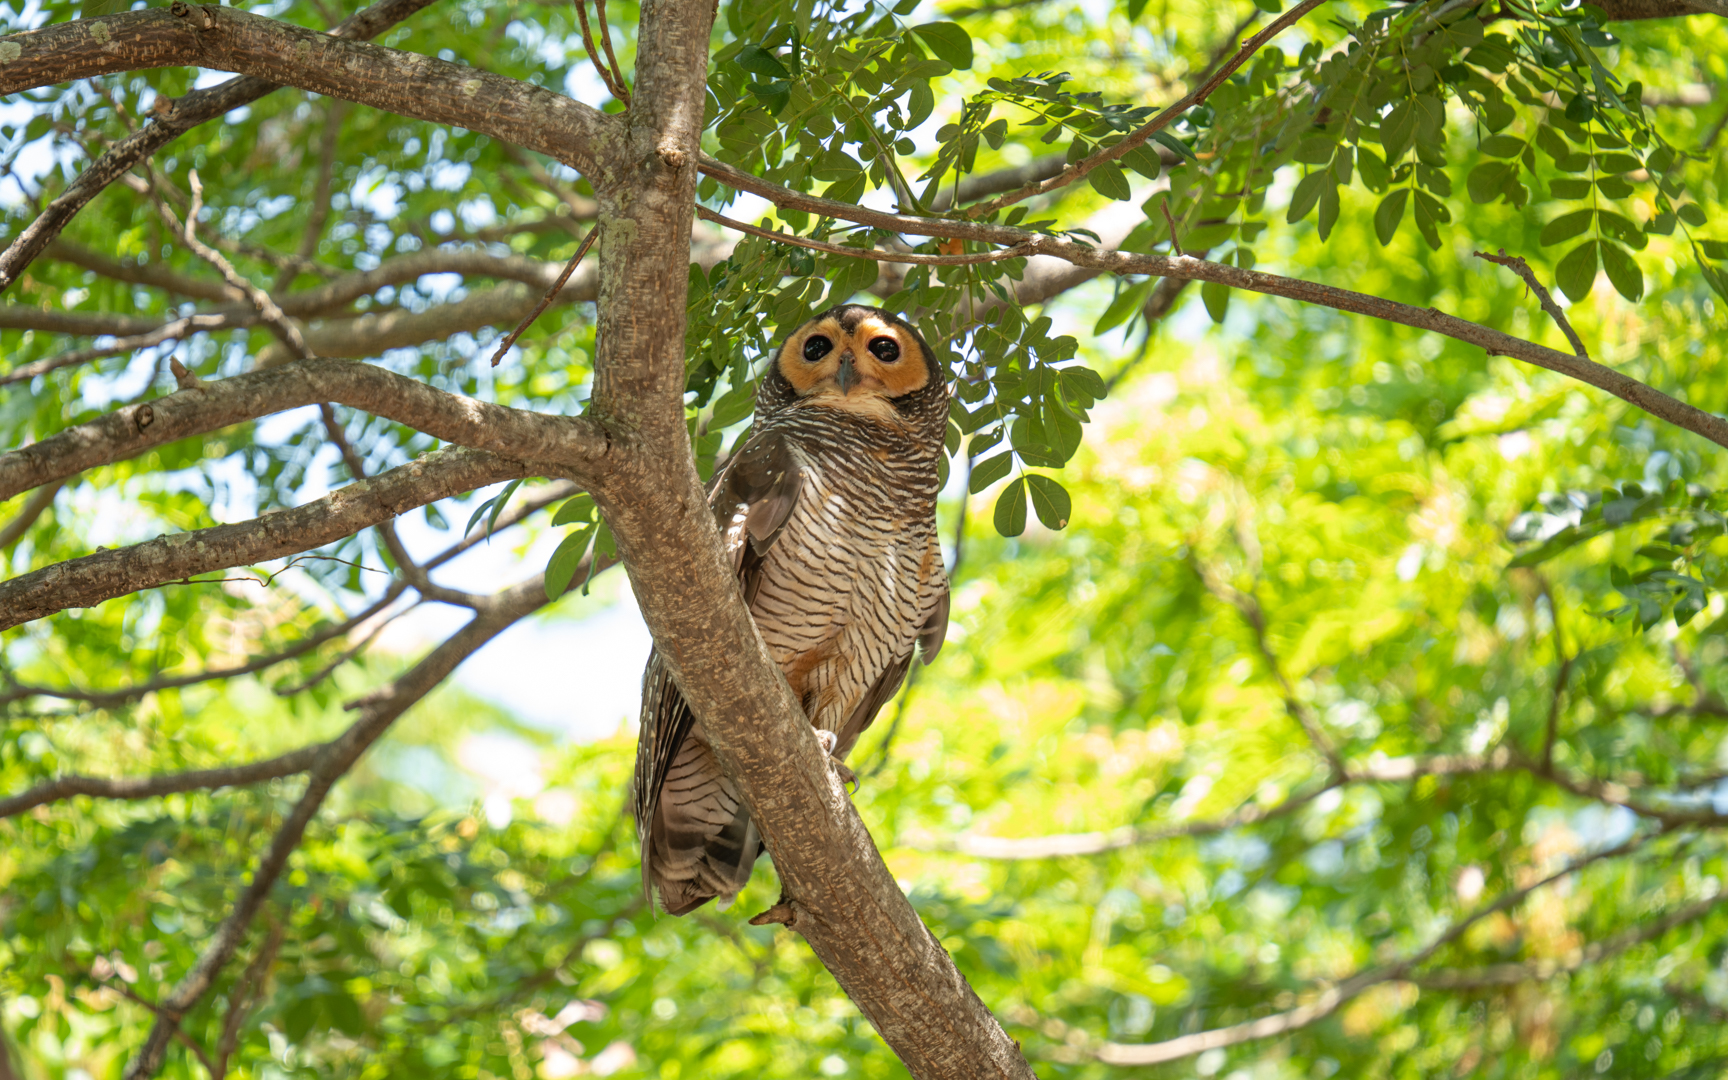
702	843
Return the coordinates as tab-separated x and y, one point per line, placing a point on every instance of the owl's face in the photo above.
855	358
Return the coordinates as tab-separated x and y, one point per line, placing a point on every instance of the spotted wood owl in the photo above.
829	514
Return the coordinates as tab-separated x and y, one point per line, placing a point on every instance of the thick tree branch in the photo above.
846	903
94	578
405	83
184	114
573	445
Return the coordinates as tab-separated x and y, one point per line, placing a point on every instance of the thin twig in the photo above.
180	1035
378	710
862	253
1431	319
149	787
1157	123
38	502
1517	265
259	299
1175	244
613	85
240	998
173	331
109	698
611	60
557	287
342	657
1248	606
1334	997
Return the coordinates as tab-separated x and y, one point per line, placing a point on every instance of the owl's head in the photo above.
860	359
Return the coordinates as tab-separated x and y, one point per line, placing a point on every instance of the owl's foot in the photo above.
829	740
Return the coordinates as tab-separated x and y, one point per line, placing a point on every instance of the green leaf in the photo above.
578	508
948	41
1486	181
1329	207
1010	516
1216	298
1388	214
1569	188
1082	382
1049	500
1125	306
1565	227
1144	160
1107	180
561	567
989	470
1693	215
1502	146
1577	271
1623	272
1166	139
1398	129
1375	175
1307	193
1430	213
759	61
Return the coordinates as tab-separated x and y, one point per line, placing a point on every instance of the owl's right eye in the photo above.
816	348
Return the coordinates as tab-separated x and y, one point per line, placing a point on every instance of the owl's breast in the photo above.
848	585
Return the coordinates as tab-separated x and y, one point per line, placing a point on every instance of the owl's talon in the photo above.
828	740
846	775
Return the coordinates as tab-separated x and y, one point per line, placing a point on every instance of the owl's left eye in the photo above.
816	348
885	349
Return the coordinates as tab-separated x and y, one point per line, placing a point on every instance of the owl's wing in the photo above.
701	843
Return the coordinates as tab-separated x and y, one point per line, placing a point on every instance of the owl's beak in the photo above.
847	376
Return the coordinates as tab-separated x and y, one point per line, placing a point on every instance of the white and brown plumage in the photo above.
829	513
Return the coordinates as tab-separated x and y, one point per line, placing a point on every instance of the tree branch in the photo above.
1495	342
409	84
33	507
94	578
148	787
1157	123
849	907
1248	606
1517	265
188	112
575	445
107	699
378	710
1332	998
1547	967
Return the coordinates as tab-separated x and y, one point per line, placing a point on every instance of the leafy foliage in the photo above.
1451	558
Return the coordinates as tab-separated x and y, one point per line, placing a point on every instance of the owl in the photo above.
828	512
